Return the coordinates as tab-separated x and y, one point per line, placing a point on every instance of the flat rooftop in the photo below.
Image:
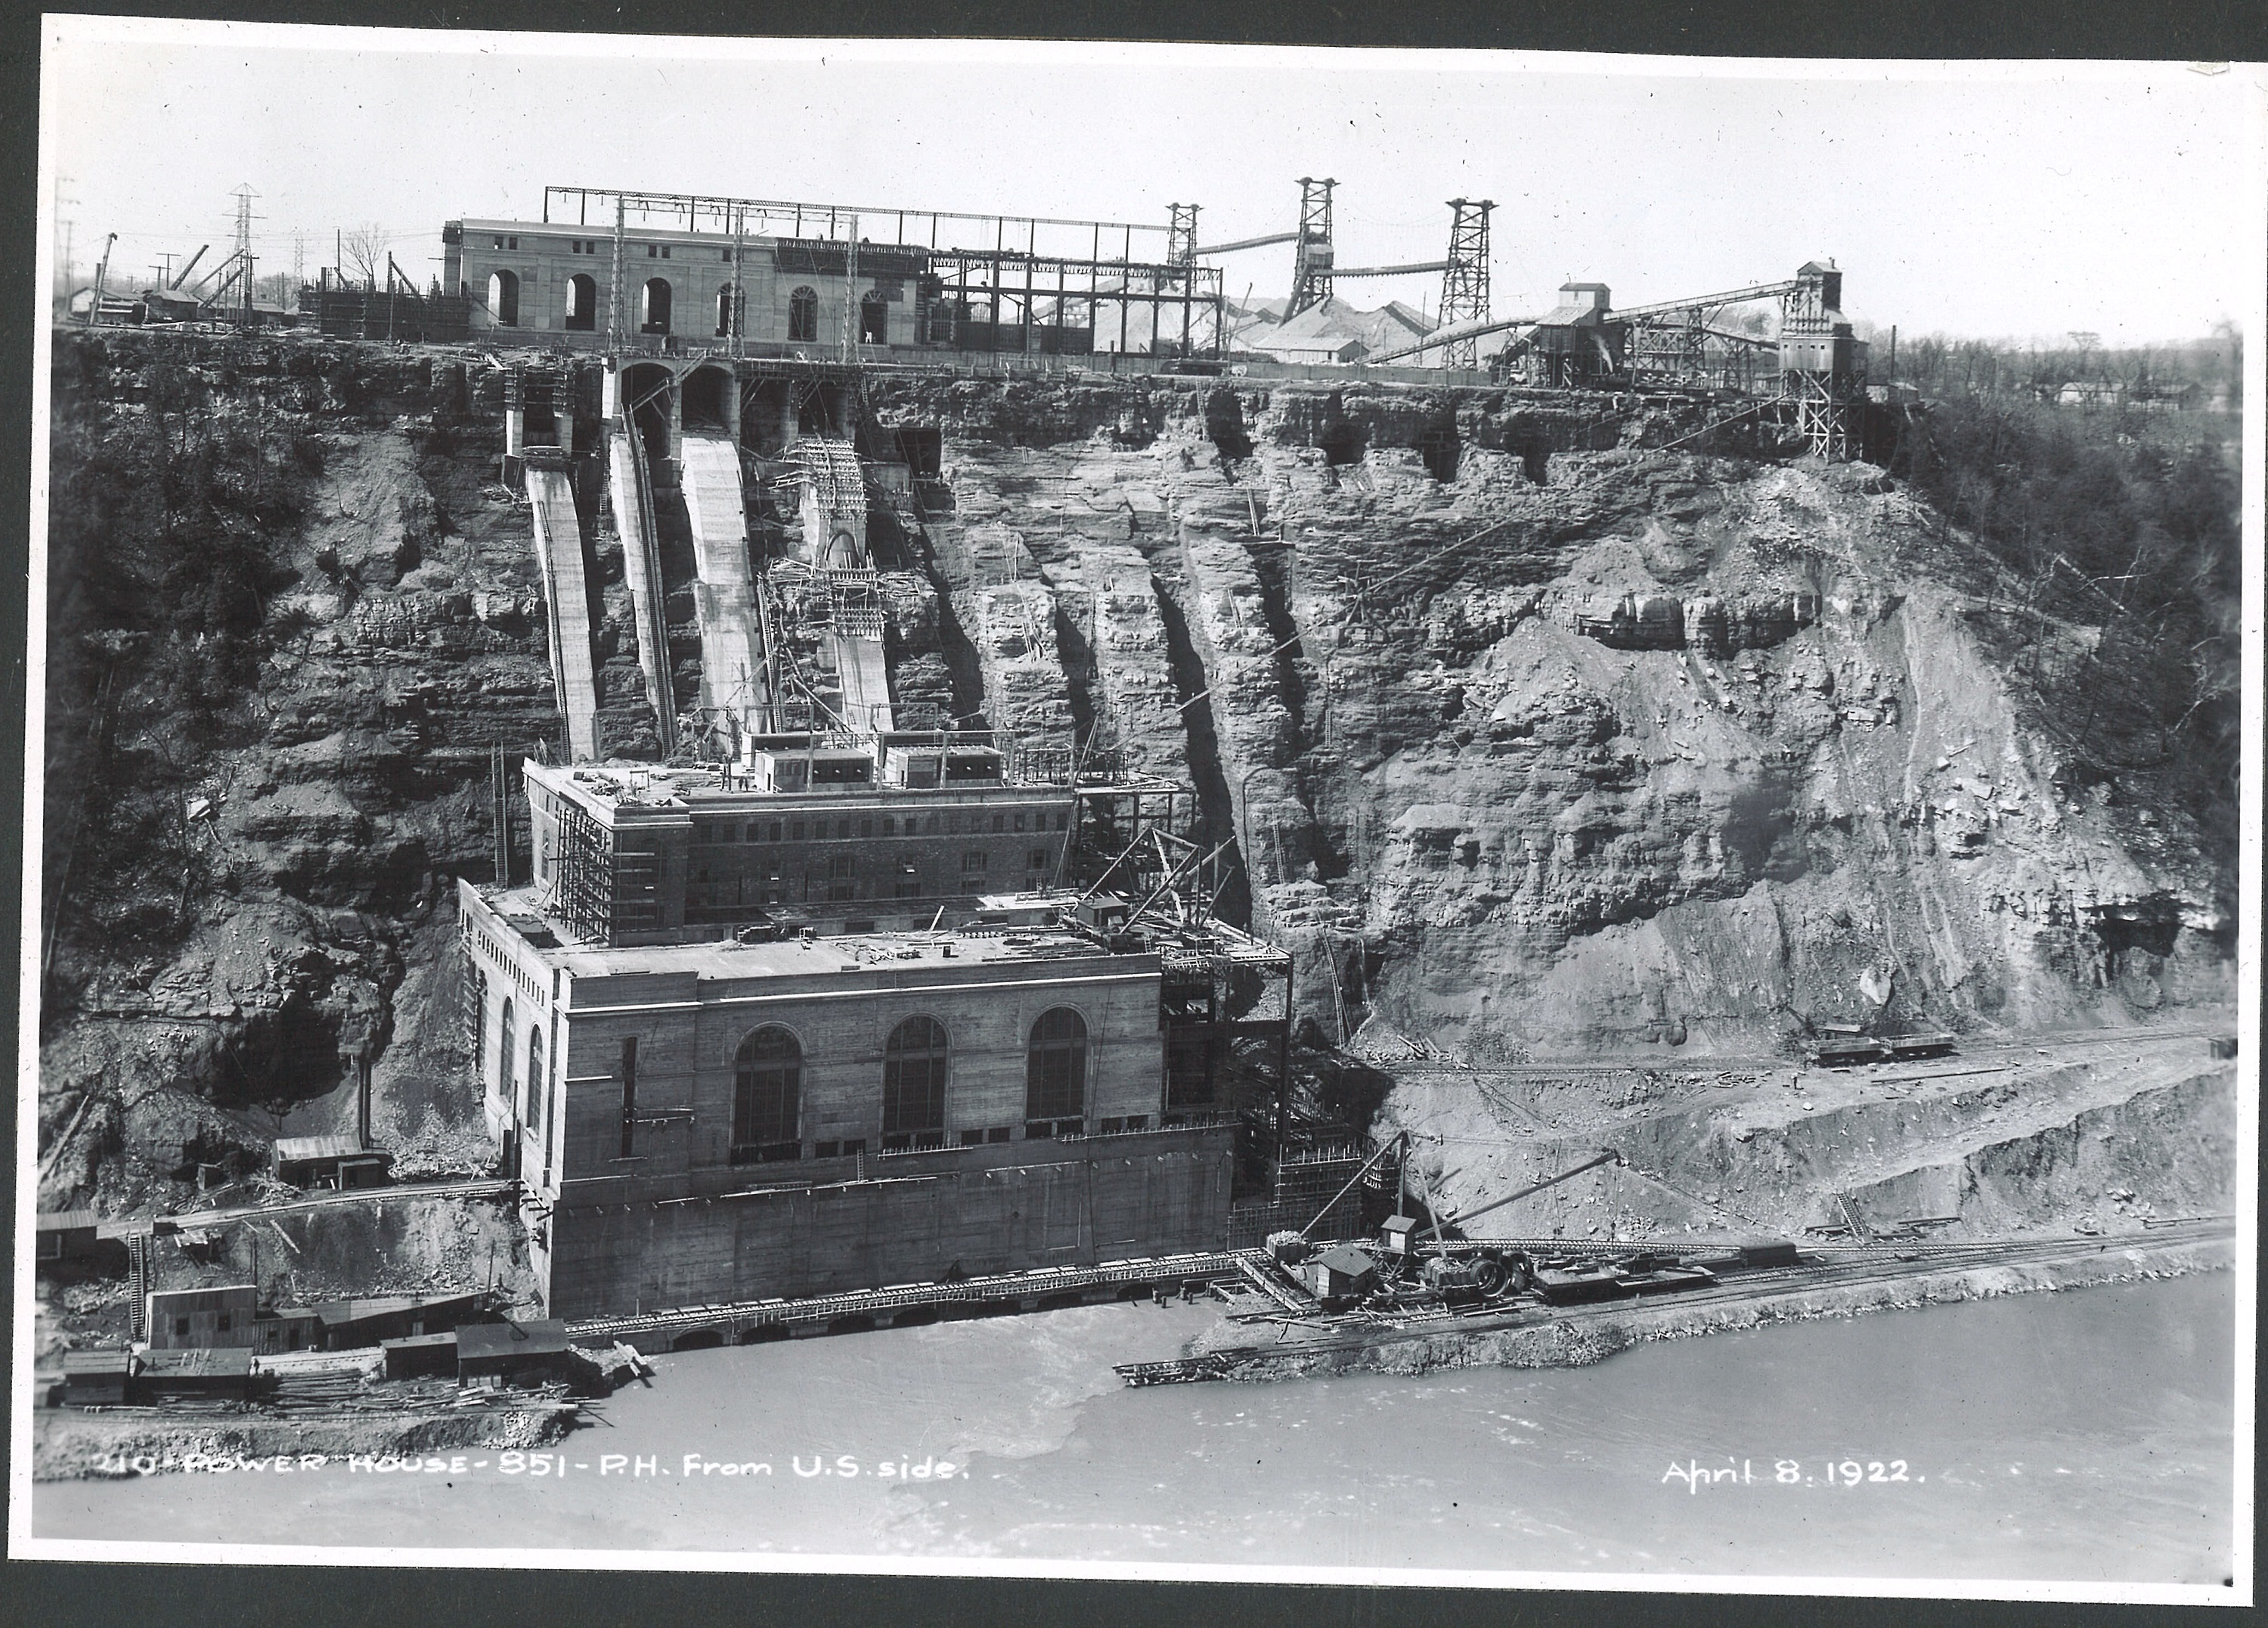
799	957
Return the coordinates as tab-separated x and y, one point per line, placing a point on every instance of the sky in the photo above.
2117	199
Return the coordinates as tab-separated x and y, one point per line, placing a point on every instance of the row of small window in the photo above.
844	866
842	829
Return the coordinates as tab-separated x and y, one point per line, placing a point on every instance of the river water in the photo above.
2084	1436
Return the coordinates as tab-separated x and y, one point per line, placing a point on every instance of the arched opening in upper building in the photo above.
653	307
504	298
803	315
582	303
873	320
725	311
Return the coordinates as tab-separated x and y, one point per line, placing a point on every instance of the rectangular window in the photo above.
629	1095
652	253
222	1326
664	251
908	883
795	831
1019	820
842	877
973	862
998	1133
1000	822
865	828
775	830
512	243
498	241
853	1145
180	1328
826	1150
726	254
972	1138
1038	860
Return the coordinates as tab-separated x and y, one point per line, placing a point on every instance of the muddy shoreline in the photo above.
1587	1335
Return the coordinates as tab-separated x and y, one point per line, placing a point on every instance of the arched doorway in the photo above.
582	303
873	320
504	298
725	311
803	315
1055	1075
653	307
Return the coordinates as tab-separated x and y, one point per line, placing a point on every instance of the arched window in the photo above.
913	1085
504	1052
582	303
873	320
803	314
535	1092
725	311
653	311
767	1091
504	298
1055	1075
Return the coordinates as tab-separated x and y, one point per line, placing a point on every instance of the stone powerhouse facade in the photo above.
723	1120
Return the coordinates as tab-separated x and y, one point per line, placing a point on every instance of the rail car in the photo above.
1850	1050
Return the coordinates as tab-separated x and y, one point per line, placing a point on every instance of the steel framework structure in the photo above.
1465	279
1313	254
1018	281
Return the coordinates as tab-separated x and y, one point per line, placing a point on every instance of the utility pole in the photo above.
71	267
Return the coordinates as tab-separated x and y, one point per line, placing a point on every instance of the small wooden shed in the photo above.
513	1353
97	1378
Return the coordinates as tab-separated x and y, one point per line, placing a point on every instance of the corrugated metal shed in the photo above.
303	1149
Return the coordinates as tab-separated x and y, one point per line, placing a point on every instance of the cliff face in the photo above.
1540	732
203	997
1535	743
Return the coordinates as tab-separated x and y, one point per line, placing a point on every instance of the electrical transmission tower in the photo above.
1312	256
243	195
1465	280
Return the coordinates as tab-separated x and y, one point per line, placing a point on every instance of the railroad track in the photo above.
858	1309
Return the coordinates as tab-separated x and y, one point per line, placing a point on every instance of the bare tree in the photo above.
362	252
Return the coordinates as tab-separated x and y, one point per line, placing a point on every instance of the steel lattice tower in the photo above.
1465	280
1311	259
243	195
1182	235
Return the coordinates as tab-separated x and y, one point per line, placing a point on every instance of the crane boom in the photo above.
1607	1157
192	266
